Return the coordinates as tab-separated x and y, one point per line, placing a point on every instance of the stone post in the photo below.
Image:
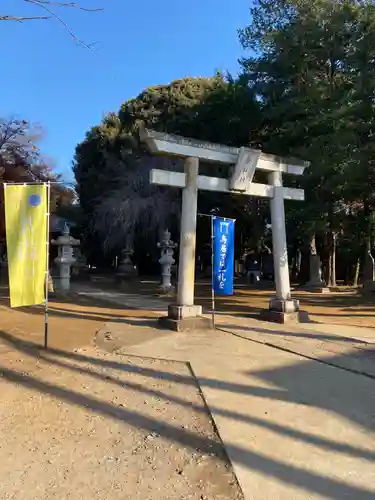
186	270
283	307
184	315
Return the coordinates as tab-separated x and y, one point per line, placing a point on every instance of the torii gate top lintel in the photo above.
245	161
162	143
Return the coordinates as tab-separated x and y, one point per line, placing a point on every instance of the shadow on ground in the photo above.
345	308
80	307
290	383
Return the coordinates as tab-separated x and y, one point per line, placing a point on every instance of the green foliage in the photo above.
112	168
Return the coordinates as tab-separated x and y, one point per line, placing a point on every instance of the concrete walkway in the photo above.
294	406
297	423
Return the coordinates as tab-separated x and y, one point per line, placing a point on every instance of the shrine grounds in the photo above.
116	408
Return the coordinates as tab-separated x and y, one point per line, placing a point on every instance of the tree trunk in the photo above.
356	272
329	274
368	240
368	265
331	278
334	241
312	244
297	263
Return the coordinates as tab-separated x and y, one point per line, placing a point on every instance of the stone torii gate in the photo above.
185	314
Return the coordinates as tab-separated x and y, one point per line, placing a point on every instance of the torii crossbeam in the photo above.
245	162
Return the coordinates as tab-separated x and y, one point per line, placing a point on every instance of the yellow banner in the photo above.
26	235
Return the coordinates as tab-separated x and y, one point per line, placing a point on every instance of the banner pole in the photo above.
48	187
212	274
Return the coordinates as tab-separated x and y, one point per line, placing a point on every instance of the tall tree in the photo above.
359	117
304	72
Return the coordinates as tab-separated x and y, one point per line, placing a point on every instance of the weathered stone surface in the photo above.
191	324
181	312
284	312
279	317
286	306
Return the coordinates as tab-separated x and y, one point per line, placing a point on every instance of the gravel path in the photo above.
95	426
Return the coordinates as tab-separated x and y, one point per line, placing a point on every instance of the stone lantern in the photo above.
126	268
167	247
65	259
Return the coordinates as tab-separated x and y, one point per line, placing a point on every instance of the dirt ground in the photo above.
87	423
345	307
81	423
74	322
340	308
94	426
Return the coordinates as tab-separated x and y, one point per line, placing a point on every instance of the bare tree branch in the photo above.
135	202
73	5
18	138
47	6
20	19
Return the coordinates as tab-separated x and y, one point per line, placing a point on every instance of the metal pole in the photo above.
210	215
212	273
48	188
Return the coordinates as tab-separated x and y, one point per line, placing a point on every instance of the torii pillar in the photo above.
185	315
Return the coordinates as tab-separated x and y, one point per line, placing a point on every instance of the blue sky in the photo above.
46	78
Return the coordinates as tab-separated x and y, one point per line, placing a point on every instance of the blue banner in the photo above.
223	271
